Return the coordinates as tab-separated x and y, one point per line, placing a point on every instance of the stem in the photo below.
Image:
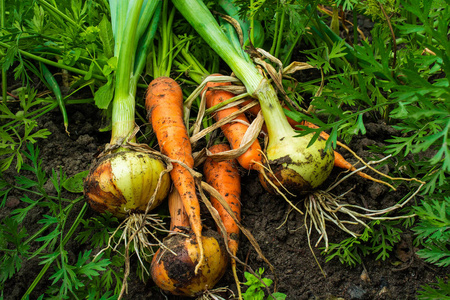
355	28
134	31
125	90
394	61
51	81
147	40
167	40
280	35
188	63
200	18
54	64
277	124
58	13
275	34
164	57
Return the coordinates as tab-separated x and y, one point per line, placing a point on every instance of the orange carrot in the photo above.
164	104
234	132
224	177
254	110
179	220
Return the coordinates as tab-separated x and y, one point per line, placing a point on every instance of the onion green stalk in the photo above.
124	181
129	25
163	55
294	165
53	85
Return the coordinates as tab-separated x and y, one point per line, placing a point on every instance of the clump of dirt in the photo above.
278	229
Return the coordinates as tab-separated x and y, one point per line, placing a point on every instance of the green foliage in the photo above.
433	231
19	129
256	286
323	59
414	96
374	9
21	241
74	184
377	239
11	262
438	290
72	36
97	230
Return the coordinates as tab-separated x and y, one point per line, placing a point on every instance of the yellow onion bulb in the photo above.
295	166
124	182
175	274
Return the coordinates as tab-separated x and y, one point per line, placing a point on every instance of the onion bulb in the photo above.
124	182
175	273
296	167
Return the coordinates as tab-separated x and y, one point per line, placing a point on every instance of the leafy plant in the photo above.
19	128
433	231
20	242
438	290
433	236
256	285
378	238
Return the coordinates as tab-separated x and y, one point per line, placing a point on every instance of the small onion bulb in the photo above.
296	167
124	182
176	273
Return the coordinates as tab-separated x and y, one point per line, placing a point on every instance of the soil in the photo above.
278	229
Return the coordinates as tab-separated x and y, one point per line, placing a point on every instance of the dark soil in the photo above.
278	230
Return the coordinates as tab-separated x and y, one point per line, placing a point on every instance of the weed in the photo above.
256	285
19	128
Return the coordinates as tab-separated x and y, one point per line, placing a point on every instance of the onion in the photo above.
175	272
124	182
298	168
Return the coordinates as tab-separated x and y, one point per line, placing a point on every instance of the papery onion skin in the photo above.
300	169
176	274
124	182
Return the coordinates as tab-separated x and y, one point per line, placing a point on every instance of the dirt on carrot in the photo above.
234	131
164	104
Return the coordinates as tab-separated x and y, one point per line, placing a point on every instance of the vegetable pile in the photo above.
207	122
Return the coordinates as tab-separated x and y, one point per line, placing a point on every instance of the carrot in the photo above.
179	220
164	104
224	177
254	110
234	132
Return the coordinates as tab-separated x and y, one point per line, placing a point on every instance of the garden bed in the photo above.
279	230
